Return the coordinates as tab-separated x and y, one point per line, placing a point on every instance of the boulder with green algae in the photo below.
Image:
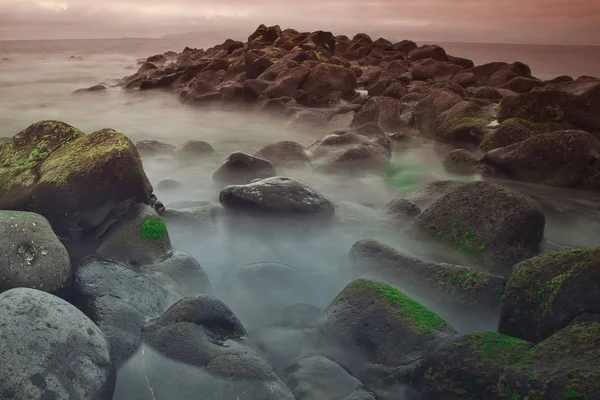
382	323
545	293
75	180
509	132
460	284
467	366
488	225
564	159
564	366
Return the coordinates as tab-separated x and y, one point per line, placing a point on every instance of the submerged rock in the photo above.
277	195
381	323
284	153
32	256
96	88
50	350
488	224
461	162
153	147
241	168
546	293
193	150
76	181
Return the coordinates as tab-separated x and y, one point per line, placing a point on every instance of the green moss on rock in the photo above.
153	228
423	321
467	128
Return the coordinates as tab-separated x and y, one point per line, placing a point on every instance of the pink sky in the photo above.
505	21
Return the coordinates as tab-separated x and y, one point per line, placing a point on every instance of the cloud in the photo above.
524	21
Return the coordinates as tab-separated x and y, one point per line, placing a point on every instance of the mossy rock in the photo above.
467	366
564	366
508	133
140	237
74	180
384	324
486	224
464	128
540	127
545	293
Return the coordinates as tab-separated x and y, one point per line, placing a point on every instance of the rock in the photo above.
241	168
342	121
487	93
287	83
461	162
277	195
200	215
76	181
564	366
327	84
32	255
179	273
50	350
431	107
405	46
522	84
468	365
284	153
154	147
140	237
75	58
157	59
564	159
387	112
255	65
396	90
493	226
379	87
453	282
119	300
508	133
382	324
365	147
194	150
463	62
96	88
169	184
319	378
492	74
369	76
200	345
463	123
430	69
428	51
429	194
401	211
199	91
546	293
265	34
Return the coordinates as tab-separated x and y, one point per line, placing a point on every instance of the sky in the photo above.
483	21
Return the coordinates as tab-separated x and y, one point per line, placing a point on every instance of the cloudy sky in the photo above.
505	21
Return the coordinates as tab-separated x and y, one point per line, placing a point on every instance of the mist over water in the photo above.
36	82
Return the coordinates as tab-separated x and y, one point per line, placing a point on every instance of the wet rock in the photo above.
179	273
387	112
468	365
96	88
327	84
492	74
401	211
241	168
199	91
508	133
140	237
456	283
429	194
492	226
32	255
319	378
487	93
194	150
463	62
284	153
200	345
461	162
287	82
154	147
430	69
156	59
277	195
546	293
74	180
405	46
365	147
119	300
169	184
50	350
428	51
396	90
564	159
381	323
522	84
431	107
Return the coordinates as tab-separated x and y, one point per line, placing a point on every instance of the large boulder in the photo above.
50	350
509	132
428	51
76	181
277	195
287	82
179	273
565	159
319	378
119	300
381	323
327	84
430	193
241	168
284	153
431	107
194	150
564	366
154	147
366	147
387	112
430	69
457	283
32	255
140	237
546	293
199	345
461	162
489	225
467	366
492	74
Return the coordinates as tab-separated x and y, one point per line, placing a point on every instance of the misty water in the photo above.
36	82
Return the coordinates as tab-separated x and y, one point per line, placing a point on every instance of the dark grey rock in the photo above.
241	168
